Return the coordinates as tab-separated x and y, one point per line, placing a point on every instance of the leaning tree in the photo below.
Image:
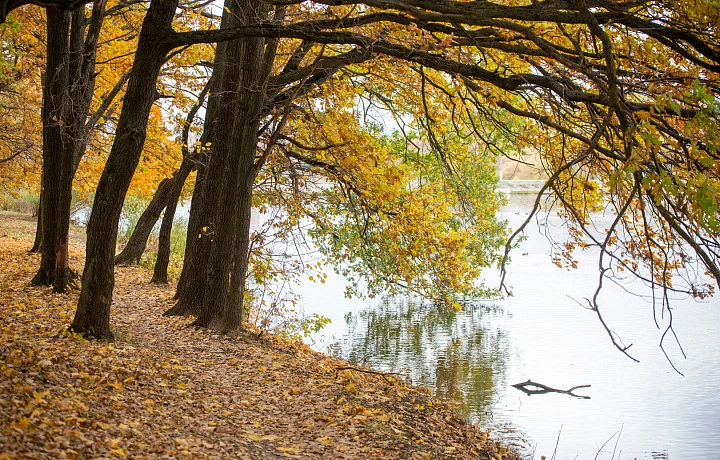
619	98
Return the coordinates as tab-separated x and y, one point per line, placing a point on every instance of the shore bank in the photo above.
162	389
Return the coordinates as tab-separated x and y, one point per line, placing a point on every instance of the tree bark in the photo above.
55	98
93	311
37	244
6	6
135	247
187	299
74	116
163	253
235	309
220	309
191	286
70	81
217	213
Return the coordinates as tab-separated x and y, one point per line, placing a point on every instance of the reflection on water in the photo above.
455	353
637	410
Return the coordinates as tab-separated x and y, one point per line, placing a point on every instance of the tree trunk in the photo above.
234	311
75	116
55	105
93	312
67	95
163	254
191	272
135	247
216	210
37	245
233	223
191	286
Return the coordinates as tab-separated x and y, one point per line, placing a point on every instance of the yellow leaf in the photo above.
23	423
120	452
325	441
251	436
40	395
181	443
212	423
183	386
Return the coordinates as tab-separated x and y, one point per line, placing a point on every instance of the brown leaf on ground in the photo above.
162	389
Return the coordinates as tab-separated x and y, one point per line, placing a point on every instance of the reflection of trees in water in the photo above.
456	354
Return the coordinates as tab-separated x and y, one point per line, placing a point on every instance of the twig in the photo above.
367	371
557	442
546	389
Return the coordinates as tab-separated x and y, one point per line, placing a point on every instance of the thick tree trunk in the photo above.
70	81
135	247
82	85
55	107
163	254
233	219
75	115
218	212
93	312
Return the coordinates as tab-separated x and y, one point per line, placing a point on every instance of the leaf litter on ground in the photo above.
163	389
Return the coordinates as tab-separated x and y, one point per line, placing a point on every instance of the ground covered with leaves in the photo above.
163	389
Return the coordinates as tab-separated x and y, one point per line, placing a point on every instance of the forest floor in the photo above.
163	389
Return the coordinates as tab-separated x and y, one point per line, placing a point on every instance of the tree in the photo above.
620	99
72	46
20	103
93	312
135	247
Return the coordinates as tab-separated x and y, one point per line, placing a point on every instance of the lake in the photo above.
642	410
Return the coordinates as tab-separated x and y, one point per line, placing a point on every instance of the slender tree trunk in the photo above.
234	311
93	312
163	254
37	245
191	286
135	247
55	99
191	262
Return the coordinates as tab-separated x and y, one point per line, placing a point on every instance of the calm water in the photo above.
636	410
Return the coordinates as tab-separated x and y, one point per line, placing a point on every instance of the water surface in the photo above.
642	410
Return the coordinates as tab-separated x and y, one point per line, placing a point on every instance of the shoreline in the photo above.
162	388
